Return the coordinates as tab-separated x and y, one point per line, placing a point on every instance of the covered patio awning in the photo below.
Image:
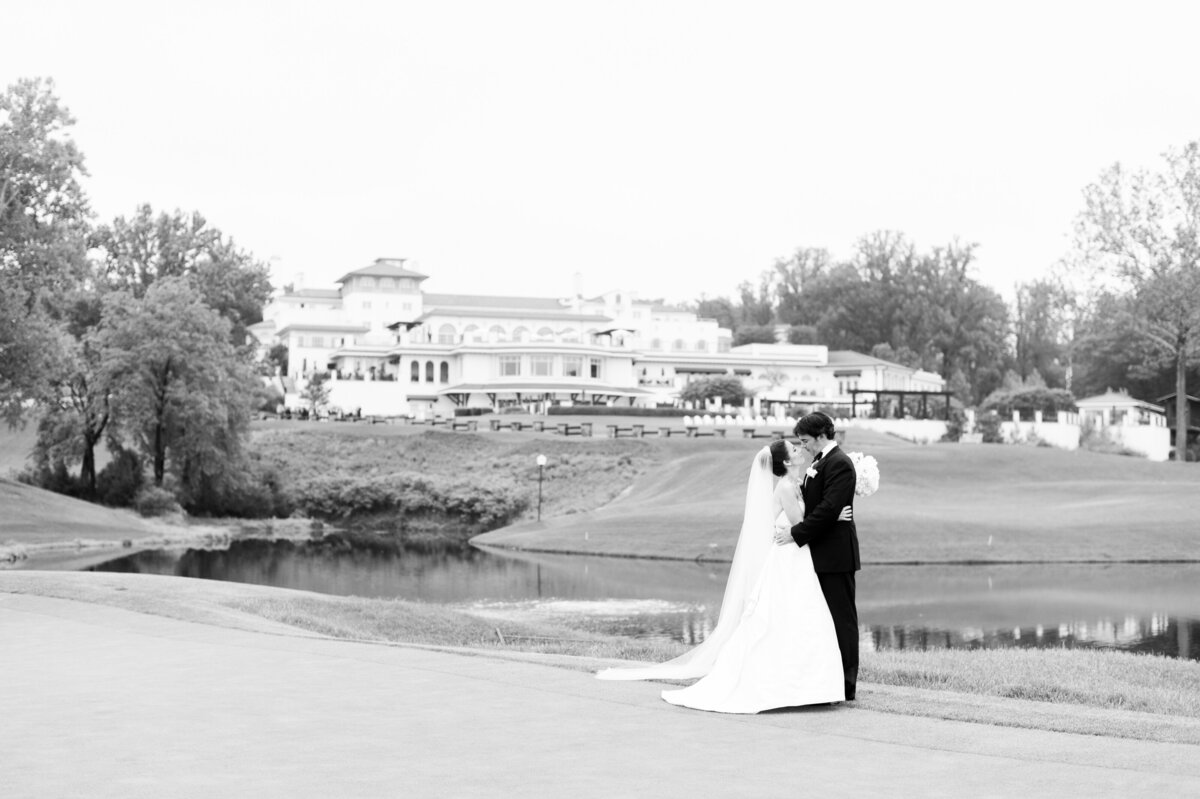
575	389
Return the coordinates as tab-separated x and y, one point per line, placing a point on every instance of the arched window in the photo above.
568	335
446	334
679	344
702	345
496	333
445	372
429	371
472	333
655	344
545	334
520	334
416	372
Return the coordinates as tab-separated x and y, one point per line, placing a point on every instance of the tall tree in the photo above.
184	391
1040	331
135	252
43	219
78	407
43	210
1140	231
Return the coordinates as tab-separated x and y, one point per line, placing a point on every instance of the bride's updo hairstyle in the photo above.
815	424
779	458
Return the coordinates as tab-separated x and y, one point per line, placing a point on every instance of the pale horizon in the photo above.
673	149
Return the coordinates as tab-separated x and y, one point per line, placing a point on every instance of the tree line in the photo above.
1120	310
129	333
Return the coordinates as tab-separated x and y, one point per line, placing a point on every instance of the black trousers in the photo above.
838	588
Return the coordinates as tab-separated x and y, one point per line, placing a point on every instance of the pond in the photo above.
1137	607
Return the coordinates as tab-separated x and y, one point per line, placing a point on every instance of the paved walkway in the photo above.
101	702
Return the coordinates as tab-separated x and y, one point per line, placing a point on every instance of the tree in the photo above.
277	359
43	218
43	210
720	309
729	389
791	276
78	407
1140	233
183	389
754	334
316	393
1039	331
134	253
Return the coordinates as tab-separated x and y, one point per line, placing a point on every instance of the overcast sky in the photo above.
671	148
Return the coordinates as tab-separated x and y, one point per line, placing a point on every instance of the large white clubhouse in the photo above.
392	348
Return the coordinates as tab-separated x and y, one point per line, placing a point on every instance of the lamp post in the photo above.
541	462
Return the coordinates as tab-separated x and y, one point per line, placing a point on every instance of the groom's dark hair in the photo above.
815	424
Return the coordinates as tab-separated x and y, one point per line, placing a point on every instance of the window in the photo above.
520	334
386	282
406	306
299	341
496	333
702	346
678	344
318	341
510	365
446	334
473	333
572	367
445	373
429	371
655	344
366	305
594	368
541	365
416	372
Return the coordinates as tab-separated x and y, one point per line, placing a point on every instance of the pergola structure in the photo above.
880	393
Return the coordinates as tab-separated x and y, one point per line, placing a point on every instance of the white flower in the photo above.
866	469
811	471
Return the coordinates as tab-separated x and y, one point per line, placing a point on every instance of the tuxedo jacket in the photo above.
833	544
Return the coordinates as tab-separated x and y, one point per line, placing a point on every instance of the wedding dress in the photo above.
774	644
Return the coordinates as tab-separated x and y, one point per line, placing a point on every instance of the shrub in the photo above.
955	423
729	389
410	497
155	501
247	489
1029	399
121	479
754	334
989	424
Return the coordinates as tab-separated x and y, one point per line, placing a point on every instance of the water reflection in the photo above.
1137	607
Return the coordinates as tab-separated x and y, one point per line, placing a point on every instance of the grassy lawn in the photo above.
1088	692
936	503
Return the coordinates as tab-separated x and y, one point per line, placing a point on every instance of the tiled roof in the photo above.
384	267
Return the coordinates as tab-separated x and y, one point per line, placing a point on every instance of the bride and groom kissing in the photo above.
787	634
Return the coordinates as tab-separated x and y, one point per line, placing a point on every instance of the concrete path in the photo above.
101	702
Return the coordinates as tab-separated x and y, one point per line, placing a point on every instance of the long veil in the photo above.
753	545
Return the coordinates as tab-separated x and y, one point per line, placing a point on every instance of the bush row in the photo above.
408	496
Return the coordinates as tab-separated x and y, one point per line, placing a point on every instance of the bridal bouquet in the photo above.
867	470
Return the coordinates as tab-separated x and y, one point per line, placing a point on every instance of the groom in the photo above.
828	487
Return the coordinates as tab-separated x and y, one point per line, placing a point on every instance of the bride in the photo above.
774	644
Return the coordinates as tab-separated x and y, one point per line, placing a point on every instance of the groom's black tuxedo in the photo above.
834	548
